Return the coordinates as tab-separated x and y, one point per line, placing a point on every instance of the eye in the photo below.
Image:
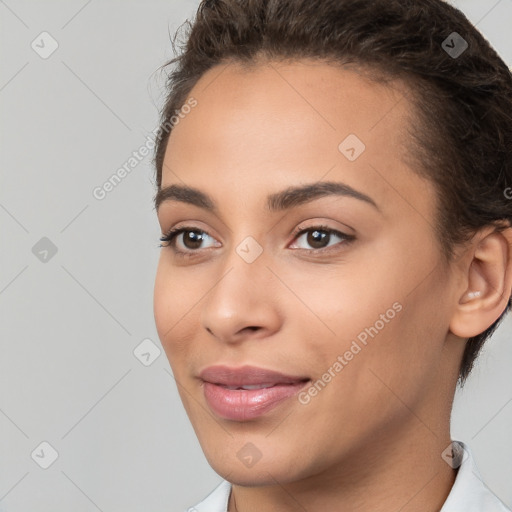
320	237
185	240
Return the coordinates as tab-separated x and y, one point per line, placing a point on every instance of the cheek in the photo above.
162	302
403	357
172	303
382	315
353	305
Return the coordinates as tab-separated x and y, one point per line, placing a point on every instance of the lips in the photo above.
247	392
247	376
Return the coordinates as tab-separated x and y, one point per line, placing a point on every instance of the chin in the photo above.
236	466
266	475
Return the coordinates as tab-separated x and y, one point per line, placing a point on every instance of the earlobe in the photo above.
487	283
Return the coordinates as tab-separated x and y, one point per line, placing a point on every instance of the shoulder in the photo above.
469	492
216	501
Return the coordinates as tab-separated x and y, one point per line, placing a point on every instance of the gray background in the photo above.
69	325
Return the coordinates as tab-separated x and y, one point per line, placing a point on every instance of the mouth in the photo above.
246	393
247	376
253	386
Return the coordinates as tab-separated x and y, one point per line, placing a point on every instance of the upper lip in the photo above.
246	376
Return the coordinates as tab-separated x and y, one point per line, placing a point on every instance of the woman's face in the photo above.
355	309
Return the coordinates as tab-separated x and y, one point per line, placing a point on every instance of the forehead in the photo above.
301	94
277	122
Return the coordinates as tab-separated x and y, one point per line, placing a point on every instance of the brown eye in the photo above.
187	240
192	239
317	239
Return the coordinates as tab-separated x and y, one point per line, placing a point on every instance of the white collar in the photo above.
468	494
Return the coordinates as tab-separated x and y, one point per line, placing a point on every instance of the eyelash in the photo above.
171	235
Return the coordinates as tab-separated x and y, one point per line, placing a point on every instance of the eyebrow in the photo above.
290	197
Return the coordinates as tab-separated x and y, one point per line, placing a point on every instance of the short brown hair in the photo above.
462	142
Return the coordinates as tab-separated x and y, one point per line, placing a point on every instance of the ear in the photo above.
486	284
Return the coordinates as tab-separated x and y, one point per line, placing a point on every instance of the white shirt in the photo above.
468	494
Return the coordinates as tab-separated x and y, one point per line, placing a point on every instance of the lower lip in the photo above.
247	404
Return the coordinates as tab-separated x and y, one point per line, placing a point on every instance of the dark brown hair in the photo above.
462	138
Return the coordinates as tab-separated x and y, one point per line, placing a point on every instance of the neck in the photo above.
402	472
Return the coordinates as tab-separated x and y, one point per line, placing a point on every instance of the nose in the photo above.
243	302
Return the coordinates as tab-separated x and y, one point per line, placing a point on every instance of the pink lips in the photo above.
224	393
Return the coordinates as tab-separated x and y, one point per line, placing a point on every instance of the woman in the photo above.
336	248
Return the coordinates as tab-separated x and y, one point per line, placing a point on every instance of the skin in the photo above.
258	131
